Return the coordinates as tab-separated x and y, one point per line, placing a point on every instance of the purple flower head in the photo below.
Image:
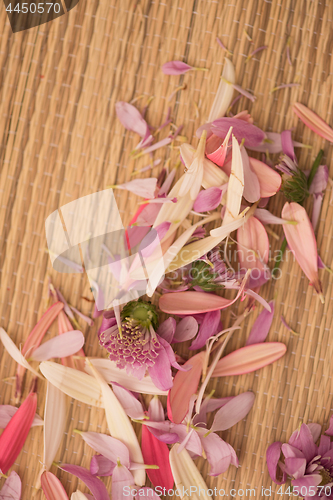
308	465
135	345
294	180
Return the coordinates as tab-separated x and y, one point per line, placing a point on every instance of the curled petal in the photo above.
319	183
249	358
299	237
96	486
261	326
216	149
186	329
313	121
273	454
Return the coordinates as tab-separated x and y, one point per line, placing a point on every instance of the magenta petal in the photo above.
295	466
261	326
208	328
287	145
171	355
241	130
176	68
291	451
131	118
232	412
208	199
324	445
306	482
122	480
101	466
186	329
167	330
273	457
329	431
11	490
96	486
303	440
218	454
315	430
128	401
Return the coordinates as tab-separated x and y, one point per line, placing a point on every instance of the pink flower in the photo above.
309	466
302	242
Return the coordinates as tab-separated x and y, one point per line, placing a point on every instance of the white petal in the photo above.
236	184
224	92
14	352
54	423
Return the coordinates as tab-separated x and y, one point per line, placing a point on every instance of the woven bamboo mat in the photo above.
60	140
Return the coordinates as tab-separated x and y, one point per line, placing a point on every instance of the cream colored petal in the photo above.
54	423
235	186
224	92
186	475
15	353
213	176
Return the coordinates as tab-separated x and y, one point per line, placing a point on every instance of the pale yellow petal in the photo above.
235	186
15	353
54	423
224	92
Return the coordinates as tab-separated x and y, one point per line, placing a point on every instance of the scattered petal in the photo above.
52	487
313	121
261	326
96	486
59	347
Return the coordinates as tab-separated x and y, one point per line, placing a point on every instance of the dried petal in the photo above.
249	359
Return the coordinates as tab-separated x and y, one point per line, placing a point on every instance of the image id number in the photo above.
35	8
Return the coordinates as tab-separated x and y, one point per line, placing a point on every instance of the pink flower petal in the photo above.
141	187
160	372
52	487
266	217
307	483
208	328
167	329
8	411
295	467
109	447
216	149
209	199
273	457
156	452
313	121
261	326
186	329
96	486
288	145
299	237
269	179
251	182
131	118
319	183
128	401
249	359
101	466
176	68
122	481
61	346
329	431
218	454
233	411
12	488
192	302
241	130
184	386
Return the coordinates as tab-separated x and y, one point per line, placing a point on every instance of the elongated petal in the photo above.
34	340
54	423
64	325
208	199
185	384
176	68
249	358
112	373
74	383
233	411
8	411
186	474
109	447
224	92
235	185
218	454
14	352
186	329
216	149
101	466
253	244
252	189
273	454
313	121
119	425
52	487
287	145
156	453
241	129
269	179
12	488
299	237
13	437
319	183
122	481
156	410
160	371
131	118
208	328
96	486
261	326
141	187
128	401
194	173
266	217
59	347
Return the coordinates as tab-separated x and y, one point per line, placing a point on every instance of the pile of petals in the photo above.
223	185
308	465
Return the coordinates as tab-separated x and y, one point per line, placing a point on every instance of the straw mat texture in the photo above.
60	140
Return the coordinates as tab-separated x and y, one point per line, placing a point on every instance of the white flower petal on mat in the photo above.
15	353
224	92
74	383
54	423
